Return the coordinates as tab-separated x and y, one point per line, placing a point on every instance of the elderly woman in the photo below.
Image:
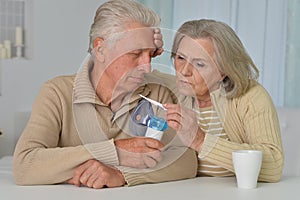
227	108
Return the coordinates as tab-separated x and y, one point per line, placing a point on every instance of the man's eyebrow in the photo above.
135	50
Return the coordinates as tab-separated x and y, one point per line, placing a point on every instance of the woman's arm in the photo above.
251	122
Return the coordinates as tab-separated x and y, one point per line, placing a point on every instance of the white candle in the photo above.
7	45
19	36
2	52
1	47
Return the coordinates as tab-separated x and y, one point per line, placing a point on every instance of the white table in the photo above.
202	188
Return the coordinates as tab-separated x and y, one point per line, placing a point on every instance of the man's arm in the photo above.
178	162
49	148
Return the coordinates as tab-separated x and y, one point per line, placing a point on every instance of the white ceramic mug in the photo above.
247	165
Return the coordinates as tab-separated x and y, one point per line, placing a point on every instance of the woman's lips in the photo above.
184	82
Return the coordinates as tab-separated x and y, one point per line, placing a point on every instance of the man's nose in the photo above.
145	63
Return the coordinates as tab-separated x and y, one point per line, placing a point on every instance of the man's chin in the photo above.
185	91
130	87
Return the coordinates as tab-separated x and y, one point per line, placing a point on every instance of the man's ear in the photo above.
98	49
223	76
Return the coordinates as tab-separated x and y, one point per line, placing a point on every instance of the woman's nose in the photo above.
186	68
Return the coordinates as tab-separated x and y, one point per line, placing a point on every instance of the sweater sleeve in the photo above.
49	150
251	123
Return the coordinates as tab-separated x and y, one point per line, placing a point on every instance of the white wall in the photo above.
60	31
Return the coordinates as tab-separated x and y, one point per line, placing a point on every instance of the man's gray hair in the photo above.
114	15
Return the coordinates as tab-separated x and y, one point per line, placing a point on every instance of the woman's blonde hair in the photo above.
114	15
231	57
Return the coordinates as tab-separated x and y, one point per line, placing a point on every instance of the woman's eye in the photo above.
199	64
180	57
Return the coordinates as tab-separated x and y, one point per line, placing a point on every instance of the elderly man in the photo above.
79	131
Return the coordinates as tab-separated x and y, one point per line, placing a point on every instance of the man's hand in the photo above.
94	174
158	42
139	152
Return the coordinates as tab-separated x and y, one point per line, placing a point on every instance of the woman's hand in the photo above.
185	122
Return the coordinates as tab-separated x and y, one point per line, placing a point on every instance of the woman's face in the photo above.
196	71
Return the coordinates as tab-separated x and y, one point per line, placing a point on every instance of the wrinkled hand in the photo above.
94	174
158	42
184	121
139	152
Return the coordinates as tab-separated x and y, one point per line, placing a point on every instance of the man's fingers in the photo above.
132	151
73	182
95	180
153	143
149	161
90	168
91	181
155	155
79	172
158	42
85	177
157	34
158	52
98	184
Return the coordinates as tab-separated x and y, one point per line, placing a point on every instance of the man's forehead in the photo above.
137	38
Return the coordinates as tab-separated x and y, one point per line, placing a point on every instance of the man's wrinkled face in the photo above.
127	61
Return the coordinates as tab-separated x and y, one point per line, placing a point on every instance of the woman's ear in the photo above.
98	49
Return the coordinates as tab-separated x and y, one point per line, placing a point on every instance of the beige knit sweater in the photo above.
70	125
250	122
